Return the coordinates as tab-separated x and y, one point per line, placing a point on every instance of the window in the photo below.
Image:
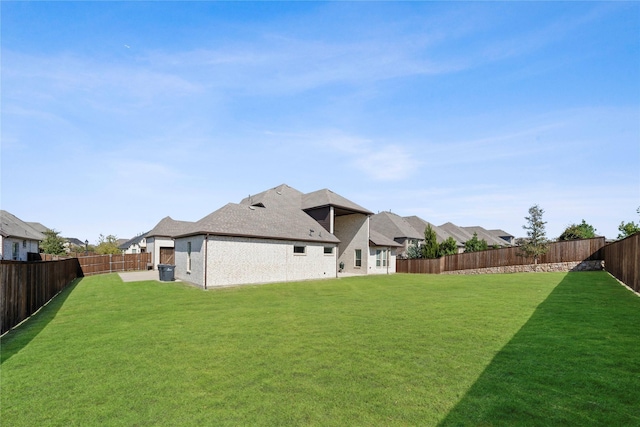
16	251
299	250
188	256
328	250
378	258
358	258
24	243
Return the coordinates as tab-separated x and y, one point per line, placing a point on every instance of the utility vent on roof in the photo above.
257	205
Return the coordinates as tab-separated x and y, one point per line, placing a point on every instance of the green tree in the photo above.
430	248
626	229
107	245
448	247
414	251
53	243
578	231
536	243
475	244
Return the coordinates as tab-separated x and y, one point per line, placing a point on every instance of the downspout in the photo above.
206	244
388	257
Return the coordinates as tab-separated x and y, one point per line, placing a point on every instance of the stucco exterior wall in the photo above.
24	247
236	260
382	269
353	232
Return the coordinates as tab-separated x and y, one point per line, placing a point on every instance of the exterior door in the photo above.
167	256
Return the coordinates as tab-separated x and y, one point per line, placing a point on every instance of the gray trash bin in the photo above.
166	272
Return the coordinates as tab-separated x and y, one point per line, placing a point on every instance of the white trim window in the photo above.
358	258
299	250
328	250
381	258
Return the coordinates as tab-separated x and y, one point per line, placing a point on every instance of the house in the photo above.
160	240
490	238
420	224
509	238
382	253
397	228
17	238
137	245
281	235
464	234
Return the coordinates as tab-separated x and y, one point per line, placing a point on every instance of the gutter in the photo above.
206	245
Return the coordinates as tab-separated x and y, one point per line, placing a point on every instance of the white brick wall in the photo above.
24	246
239	260
374	269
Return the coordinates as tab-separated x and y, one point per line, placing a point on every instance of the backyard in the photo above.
438	350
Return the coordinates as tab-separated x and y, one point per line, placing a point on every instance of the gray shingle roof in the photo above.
283	222
38	227
486	235
326	197
379	240
420	224
394	226
12	226
133	241
168	227
458	233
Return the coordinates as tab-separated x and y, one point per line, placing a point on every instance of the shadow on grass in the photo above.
20	336
575	362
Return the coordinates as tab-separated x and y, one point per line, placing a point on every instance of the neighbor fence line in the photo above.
27	286
558	252
622	260
109	263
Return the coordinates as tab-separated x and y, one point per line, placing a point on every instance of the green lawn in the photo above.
519	349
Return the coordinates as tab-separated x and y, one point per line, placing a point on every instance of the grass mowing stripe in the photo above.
391	350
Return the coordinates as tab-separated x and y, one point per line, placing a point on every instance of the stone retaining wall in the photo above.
530	268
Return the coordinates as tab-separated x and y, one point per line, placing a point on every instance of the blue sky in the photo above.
115	115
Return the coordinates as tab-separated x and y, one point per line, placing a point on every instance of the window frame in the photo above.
357	261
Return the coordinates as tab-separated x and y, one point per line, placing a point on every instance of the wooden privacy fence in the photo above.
27	286
622	260
99	264
569	251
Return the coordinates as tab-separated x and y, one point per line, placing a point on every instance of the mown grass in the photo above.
528	349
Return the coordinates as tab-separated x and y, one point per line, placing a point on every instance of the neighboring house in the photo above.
17	238
463	234
420	225
160	242
490	238
137	245
396	228
73	244
280	235
510	239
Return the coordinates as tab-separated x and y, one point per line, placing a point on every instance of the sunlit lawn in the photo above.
519	349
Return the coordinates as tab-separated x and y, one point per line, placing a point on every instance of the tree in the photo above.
536	243
53	243
414	251
578	231
448	247
626	229
475	244
107	245
430	248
